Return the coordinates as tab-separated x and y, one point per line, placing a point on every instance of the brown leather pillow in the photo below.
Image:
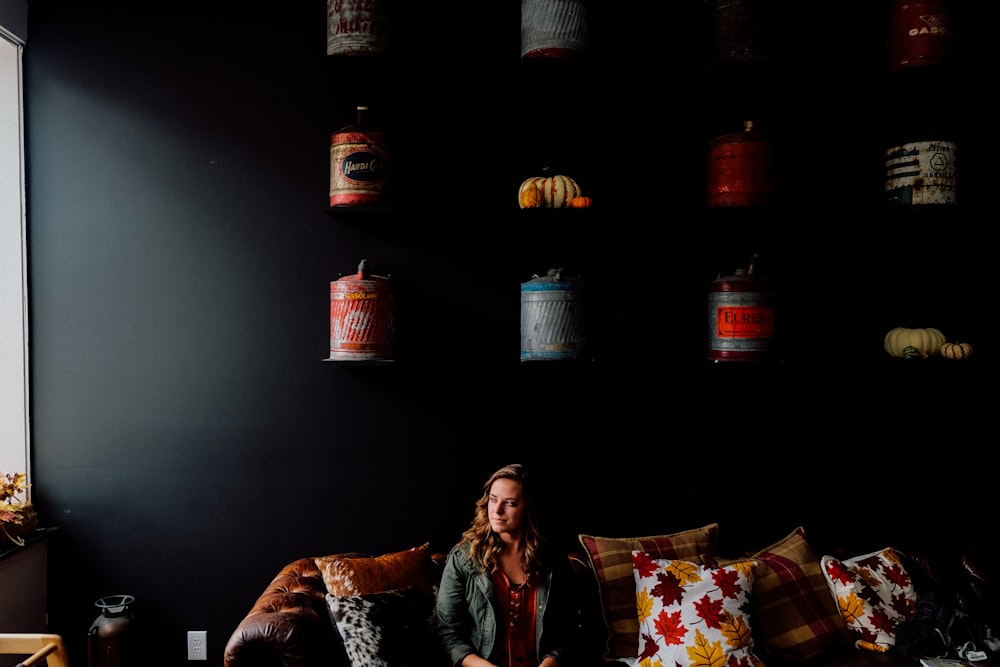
364	575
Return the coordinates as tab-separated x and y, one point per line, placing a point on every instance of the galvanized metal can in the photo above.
740	169
355	27
920	33
738	32
359	166
362	323
553	318
921	173
553	28
741	317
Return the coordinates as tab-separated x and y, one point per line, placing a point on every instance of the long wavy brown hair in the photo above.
485	545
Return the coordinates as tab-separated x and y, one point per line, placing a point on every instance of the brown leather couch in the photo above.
290	625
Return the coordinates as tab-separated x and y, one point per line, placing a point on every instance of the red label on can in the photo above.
744	322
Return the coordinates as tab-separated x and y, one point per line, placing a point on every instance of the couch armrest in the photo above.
288	625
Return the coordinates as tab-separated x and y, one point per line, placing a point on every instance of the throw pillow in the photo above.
611	560
691	614
359	575
387	629
795	618
874	594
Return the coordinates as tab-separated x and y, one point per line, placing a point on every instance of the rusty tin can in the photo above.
355	27
921	173
362	324
741	317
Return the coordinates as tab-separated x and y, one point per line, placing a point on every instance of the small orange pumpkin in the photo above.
581	202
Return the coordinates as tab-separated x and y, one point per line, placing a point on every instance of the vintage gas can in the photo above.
553	318
738	32
921	33
355	27
553	28
740	169
921	173
362	322
359	165
741	317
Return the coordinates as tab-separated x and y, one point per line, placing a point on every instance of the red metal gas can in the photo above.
920	33
359	165
362	323
740	169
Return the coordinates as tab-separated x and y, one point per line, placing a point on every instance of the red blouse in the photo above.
515	645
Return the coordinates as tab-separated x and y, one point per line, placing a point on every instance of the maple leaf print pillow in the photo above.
692	614
874	594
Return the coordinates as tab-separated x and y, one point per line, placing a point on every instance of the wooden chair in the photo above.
39	647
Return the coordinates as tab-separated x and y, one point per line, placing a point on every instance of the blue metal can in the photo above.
553	318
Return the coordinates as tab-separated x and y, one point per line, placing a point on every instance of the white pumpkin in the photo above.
927	341
557	191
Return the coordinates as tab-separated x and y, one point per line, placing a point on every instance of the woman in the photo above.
506	600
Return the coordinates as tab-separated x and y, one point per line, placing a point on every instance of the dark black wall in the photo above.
188	437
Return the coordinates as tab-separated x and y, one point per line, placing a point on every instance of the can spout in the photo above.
753	262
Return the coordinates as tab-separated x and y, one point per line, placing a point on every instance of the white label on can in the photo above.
921	172
357	168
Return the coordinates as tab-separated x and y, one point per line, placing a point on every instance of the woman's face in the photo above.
506	508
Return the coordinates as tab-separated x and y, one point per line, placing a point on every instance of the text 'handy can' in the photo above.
359	165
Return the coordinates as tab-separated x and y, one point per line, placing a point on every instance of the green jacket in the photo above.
467	611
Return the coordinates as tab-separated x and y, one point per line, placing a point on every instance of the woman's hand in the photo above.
473	660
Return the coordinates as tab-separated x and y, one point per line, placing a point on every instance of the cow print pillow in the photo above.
389	629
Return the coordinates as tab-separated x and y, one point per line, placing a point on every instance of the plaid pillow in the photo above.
611	560
795	617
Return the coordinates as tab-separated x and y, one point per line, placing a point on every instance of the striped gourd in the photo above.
557	191
956	350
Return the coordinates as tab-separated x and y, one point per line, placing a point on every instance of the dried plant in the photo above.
13	504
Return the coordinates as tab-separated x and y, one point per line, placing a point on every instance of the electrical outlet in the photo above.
197	645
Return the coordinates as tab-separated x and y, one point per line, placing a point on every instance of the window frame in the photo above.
15	432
